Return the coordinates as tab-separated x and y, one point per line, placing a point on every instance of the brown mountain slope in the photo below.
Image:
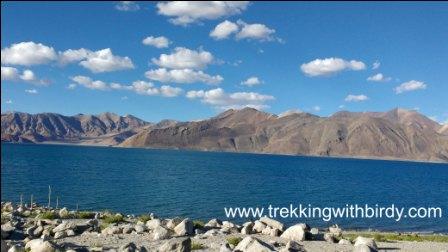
397	134
103	129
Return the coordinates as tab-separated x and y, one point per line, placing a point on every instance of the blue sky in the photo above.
74	58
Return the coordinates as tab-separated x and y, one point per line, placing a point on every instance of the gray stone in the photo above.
314	231
16	248
186	227
366	241
64	226
172	223
225	248
130	247
4	246
139	228
258	226
63	213
176	245
292	246
213	223
330	237
153	224
70	232
160	233
112	230
251	244
295	233
60	234
363	248
247	228
39	245
344	242
272	223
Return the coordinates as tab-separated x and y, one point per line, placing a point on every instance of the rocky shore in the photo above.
39	229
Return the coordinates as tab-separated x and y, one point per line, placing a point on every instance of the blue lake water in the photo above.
200	184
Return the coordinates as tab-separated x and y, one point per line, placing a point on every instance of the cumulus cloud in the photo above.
73	55
356	98
158	42
255	31
27	54
379	77
224	30
184	58
182	76
127	6
31	91
410	86
104	61
188	12
329	66
140	87
28	76
376	65
316	108
220	99
252	81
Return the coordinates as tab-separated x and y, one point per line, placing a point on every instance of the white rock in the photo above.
172	223
294	233
16	248
363	248
186	227
292	246
160	233
344	242
247	228
63	213
176	245
112	230
70	232
213	223
39	245
139	228
366	241
258	226
153	224
64	226
60	234
251	244
272	223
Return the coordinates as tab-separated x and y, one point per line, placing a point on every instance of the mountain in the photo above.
102	129
396	134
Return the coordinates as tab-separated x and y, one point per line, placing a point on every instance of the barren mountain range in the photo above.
396	134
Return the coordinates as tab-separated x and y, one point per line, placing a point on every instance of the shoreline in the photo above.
41	229
371	158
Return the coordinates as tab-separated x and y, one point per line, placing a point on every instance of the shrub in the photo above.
196	246
198	224
109	219
144	218
234	240
85	215
47	215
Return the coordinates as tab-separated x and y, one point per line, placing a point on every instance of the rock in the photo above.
366	241
295	233
39	245
335	230
314	231
211	232
363	248
130	247
186	227
153	224
330	237
70	232
251	244
38	231
344	242
16	248
172	223
6	230
112	230
60	234
247	228
225	248
64	226
227	224
272	223
139	228
127	229
292	246
213	223
160	233
258	226
63	213
176	245
4	246
30	231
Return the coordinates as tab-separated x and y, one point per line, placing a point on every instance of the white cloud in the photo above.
224	30
89	83
376	65
71	86
169	91
127	6
329	66
104	61
356	98
158	42
255	31
187	12
9	73
184	58
8	101
410	86
31	91
220	99
379	77
72	55
316	108
13	74
252	81
341	106
27	53
182	76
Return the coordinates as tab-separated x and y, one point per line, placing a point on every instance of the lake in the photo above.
200	184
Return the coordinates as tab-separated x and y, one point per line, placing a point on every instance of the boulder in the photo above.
172	223
247	228
295	233
330	237
363	248
336	230
176	245
130	247
112	229
38	231
4	246
6	230
153	224
344	242
213	223
186	227
39	245
314	231
64	226
139	228
251	244
225	248
271	231
292	246
366	241
272	223
259	226
70	232
64	213
160	233
127	229
16	248
60	234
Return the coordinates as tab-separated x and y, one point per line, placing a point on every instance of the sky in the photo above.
192	60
